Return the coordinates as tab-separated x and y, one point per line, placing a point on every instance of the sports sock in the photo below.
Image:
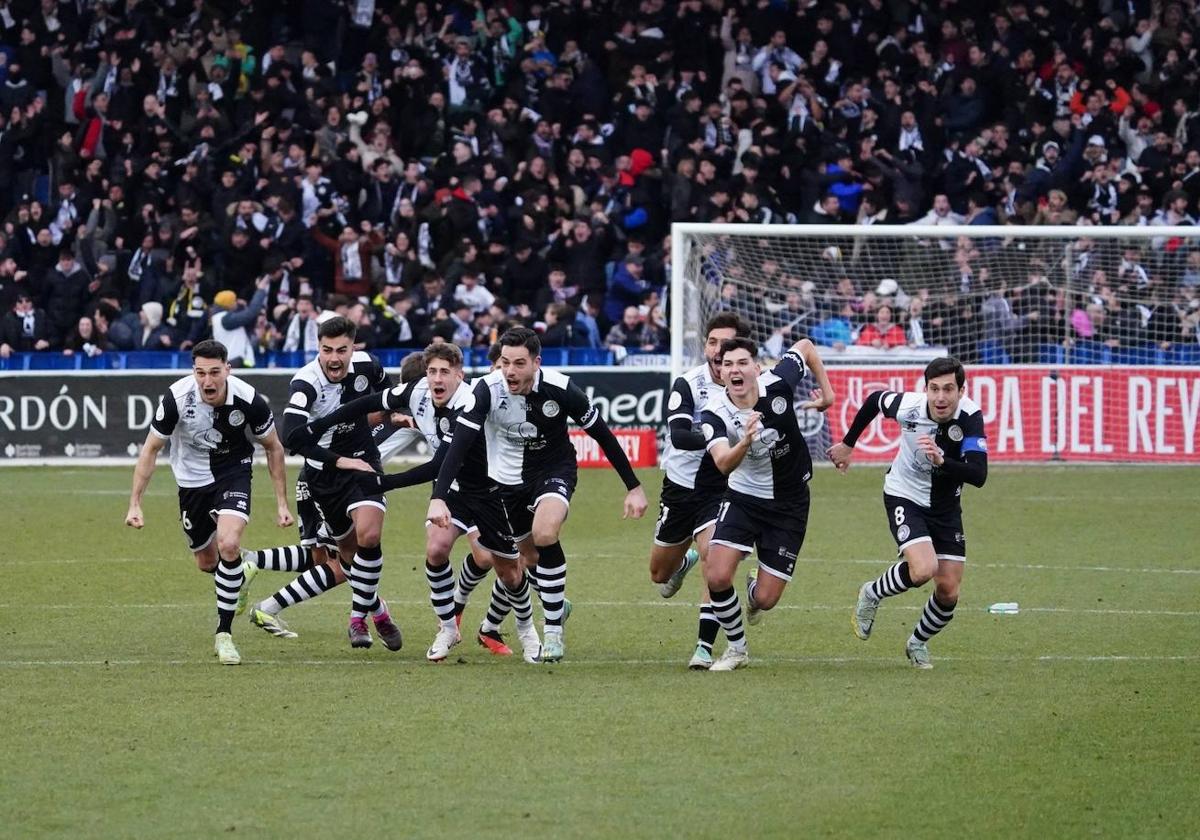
227	582
707	633
531	579
934	619
470	575
286	558
365	571
728	610
892	582
310	584
522	606
498	607
441	592
750	587
552	583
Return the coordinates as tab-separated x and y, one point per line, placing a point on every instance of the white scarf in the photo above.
351	261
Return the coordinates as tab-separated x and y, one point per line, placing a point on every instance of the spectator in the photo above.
882	333
24	328
233	322
631	333
626	288
66	290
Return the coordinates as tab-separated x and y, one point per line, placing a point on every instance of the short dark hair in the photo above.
336	327
412	368
446	352
210	348
942	366
494	352
739	343
522	337
728	321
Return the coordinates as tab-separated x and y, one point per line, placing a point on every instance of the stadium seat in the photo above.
1090	353
1051	354
1185	354
993	353
1140	354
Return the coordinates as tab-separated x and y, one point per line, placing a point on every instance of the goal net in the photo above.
1081	343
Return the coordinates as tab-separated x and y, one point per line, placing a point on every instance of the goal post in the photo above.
1085	339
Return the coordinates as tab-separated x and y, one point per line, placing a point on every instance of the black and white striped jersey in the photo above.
778	465
211	442
436	425
693	469
912	475
312	395
527	434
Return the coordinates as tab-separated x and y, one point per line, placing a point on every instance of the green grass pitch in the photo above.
1078	717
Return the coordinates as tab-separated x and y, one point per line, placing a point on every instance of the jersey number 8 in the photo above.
898	515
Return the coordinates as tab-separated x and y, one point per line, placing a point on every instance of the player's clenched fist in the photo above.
635	503
134	517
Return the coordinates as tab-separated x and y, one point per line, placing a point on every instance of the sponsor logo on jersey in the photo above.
550	408
902	533
236	418
779	405
955	433
360	383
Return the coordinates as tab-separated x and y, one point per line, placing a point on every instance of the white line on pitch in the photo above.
198	605
583	663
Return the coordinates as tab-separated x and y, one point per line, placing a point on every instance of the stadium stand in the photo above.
169	170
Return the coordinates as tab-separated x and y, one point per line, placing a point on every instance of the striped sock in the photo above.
469	577
310	584
522	606
365	571
707	634
728	610
552	582
498	607
227	582
441	592
532	580
892	582
934	619
287	558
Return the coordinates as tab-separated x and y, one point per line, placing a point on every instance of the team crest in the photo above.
675	401
779	405
955	433
236	418
708	430
550	408
161	414
360	383
902	533
444	424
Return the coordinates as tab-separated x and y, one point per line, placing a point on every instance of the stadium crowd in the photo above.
175	170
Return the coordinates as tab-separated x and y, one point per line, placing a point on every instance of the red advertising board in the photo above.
1038	413
640	445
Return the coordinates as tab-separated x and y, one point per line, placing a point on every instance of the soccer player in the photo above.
692	485
354	515
475	505
210	418
754	438
317	554
522	409
943	445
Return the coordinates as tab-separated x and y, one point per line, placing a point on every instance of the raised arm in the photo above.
727	458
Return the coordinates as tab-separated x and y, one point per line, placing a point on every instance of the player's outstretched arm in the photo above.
142	473
277	468
842	453
822	398
468	427
297	440
361	407
420	474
